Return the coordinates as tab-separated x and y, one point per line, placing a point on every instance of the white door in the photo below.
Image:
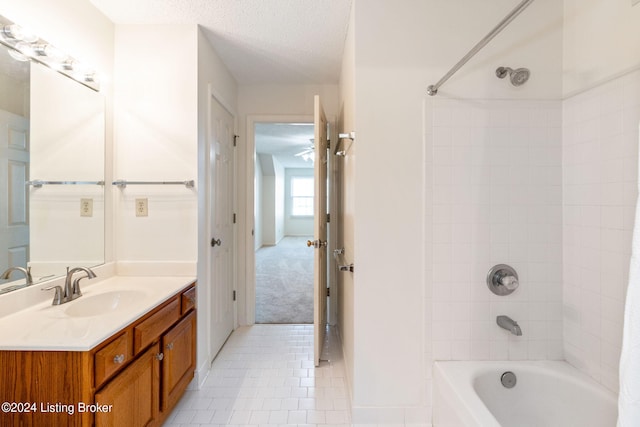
221	164
320	230
14	170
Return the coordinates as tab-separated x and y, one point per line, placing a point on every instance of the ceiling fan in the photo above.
308	153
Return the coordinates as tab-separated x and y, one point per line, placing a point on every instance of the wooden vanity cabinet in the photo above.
133	394
179	360
141	371
145	391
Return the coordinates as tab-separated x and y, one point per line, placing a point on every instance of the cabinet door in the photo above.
178	365
133	394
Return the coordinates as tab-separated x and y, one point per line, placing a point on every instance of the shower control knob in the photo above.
510	282
502	279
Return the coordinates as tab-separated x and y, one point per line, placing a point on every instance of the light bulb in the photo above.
51	52
25	48
18	56
16	32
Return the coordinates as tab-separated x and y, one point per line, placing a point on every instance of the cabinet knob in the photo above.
159	356
170	346
118	359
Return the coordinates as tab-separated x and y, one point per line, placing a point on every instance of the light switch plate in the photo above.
142	207
86	207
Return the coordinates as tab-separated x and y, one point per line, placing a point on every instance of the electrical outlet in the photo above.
142	207
86	207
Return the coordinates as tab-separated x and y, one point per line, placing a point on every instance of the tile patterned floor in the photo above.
265	376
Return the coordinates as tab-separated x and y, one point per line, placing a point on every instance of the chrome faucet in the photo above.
7	273
505	322
71	289
25	271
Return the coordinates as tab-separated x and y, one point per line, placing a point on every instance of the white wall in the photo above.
280	215
156	126
388	227
268	191
346	196
270	220
601	39
268	210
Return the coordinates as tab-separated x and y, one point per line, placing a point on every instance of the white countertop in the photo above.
103	309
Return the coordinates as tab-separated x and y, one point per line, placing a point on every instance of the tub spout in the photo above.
505	322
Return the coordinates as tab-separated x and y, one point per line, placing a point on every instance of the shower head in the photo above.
518	77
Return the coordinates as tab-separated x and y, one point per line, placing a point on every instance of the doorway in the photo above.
283	212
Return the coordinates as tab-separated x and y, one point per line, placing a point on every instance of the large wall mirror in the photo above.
52	209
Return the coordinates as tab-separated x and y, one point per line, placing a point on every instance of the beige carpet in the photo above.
284	282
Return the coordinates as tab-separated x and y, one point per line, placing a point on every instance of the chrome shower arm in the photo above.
433	89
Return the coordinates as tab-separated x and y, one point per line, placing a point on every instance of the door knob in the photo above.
316	243
215	242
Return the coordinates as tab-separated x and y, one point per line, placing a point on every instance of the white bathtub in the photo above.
547	394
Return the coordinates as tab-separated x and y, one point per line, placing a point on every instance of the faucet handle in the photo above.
508	281
76	287
502	279
57	297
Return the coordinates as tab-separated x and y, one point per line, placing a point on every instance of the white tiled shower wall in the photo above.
600	165
497	199
548	187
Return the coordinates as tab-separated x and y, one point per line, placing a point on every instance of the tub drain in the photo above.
508	379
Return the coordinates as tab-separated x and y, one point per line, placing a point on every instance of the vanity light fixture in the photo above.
15	32
17	55
24	46
51	52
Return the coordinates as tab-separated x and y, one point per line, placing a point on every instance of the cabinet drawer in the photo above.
153	326
188	299
112	358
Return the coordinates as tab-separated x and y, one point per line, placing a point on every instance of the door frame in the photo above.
247	246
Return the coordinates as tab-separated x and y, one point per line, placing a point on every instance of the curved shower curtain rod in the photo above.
433	89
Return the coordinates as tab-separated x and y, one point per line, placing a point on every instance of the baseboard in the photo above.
200	376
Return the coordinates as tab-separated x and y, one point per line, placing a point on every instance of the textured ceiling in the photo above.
260	41
283	141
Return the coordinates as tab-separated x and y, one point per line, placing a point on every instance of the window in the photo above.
302	196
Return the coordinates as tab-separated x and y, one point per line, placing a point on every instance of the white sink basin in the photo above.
95	305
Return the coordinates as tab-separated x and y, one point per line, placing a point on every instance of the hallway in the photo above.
284	282
264	376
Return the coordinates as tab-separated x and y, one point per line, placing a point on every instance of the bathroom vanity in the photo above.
132	356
